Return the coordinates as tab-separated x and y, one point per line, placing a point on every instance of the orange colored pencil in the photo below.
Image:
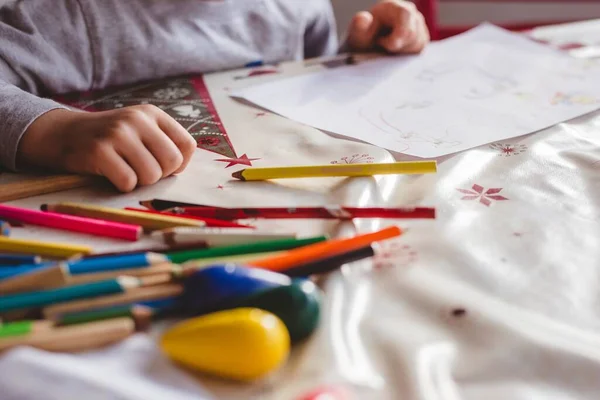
313	252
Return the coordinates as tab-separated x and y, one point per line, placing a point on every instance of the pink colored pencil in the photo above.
72	223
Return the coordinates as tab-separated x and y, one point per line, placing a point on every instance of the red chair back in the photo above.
449	17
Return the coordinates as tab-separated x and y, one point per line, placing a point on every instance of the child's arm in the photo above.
131	146
320	35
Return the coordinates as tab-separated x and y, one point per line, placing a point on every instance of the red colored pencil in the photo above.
308	212
210	222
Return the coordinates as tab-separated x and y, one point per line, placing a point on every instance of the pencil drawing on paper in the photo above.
573	99
387	121
414	105
492	85
432	73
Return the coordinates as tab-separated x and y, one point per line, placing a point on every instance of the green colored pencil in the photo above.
23	328
142	315
68	293
250	248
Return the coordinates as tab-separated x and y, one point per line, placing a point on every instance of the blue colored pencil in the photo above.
10	271
69	293
15	259
4	228
116	262
89	265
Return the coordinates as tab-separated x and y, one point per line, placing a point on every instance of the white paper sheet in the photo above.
483	86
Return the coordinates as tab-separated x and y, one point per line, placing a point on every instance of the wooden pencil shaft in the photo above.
150	222
211	222
24	328
43	185
156	279
220	237
62	274
133	296
75	338
157	269
142	315
44	278
112	263
52	296
162	248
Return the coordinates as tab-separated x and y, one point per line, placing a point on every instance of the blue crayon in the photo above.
208	288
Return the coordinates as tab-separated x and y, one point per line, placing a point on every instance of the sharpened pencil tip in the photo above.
44	207
239	175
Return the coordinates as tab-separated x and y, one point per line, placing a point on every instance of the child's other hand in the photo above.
394	25
131	146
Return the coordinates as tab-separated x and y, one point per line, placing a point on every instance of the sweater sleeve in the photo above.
37	60
320	36
18	109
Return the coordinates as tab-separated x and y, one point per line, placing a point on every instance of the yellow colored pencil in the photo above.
333	170
150	222
43	249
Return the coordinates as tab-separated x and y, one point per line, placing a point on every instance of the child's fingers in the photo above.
163	149
115	169
179	136
140	159
403	21
363	30
421	40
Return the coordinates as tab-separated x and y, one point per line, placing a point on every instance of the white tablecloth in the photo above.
495	299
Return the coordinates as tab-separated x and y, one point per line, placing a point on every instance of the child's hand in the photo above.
394	25
130	146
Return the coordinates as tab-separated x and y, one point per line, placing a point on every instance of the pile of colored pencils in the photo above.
65	297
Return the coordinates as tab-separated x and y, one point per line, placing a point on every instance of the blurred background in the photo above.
448	17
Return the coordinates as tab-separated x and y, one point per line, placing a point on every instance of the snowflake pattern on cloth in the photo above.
394	254
485	197
508	149
185	99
